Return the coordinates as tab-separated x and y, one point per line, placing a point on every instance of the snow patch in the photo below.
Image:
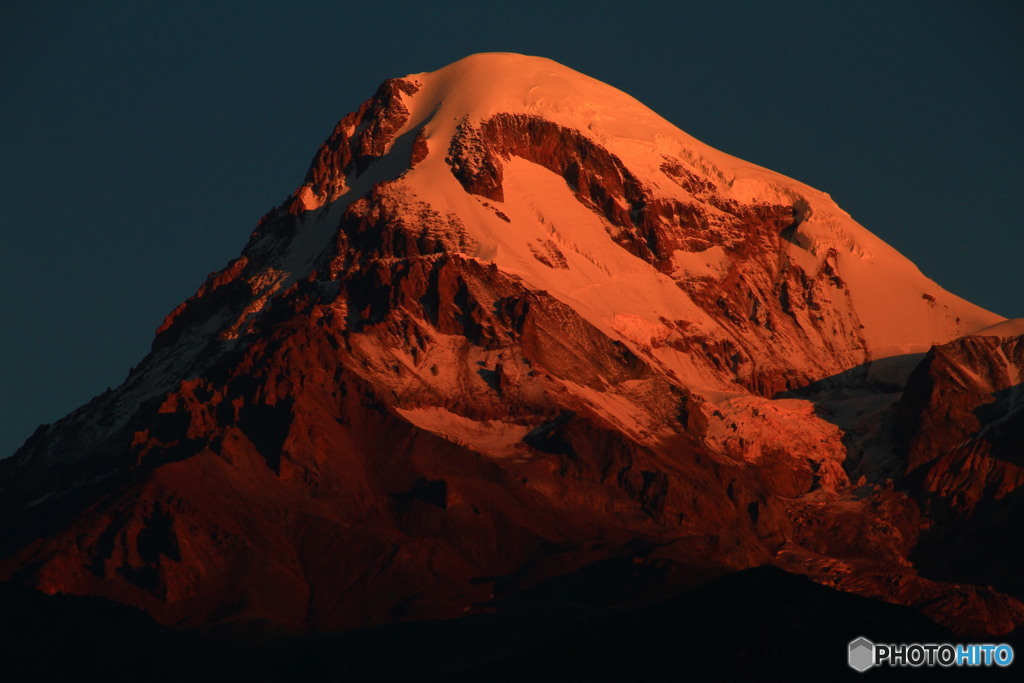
495	438
1014	327
640	330
713	262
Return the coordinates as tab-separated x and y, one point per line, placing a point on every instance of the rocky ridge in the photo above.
513	324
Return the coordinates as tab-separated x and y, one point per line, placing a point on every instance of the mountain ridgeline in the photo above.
513	326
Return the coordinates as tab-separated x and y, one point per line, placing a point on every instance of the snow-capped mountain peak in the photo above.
508	301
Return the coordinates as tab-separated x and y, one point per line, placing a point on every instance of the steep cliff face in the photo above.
963	421
511	324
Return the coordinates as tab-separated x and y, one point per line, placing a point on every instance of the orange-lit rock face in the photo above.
962	413
964	428
358	140
761	298
475	352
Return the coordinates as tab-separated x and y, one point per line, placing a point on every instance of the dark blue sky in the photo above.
141	144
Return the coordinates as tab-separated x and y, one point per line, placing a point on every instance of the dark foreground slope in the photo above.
759	624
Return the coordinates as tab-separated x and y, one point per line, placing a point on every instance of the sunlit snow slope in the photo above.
512	323
901	311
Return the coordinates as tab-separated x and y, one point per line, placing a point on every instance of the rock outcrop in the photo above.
963	423
511	325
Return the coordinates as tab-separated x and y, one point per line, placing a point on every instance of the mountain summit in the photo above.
515	326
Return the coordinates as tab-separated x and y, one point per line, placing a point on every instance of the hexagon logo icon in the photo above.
861	654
